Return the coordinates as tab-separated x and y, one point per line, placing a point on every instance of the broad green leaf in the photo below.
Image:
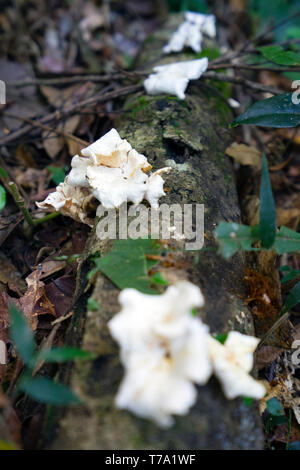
278	111
290	273
233	237
275	408
22	335
63	354
293	298
127	266
286	241
58	174
45	390
2	197
267	214
279	56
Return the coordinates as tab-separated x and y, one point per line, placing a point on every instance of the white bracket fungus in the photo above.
163	351
189	33
232	362
111	171
173	78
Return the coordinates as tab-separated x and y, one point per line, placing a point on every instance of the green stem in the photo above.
47	217
20	203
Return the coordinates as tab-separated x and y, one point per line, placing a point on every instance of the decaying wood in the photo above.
190	135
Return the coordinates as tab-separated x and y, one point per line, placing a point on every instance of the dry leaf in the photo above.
10	276
288	217
34	302
244	154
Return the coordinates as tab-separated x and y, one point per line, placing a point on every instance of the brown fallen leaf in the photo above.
34	302
244	154
10	276
284	434
266	355
10	425
60	292
288	217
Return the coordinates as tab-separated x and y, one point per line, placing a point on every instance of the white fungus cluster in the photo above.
111	171
173	78
165	350
190	32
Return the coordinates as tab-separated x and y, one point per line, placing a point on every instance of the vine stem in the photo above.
20	203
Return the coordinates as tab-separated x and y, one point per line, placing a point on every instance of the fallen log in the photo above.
191	136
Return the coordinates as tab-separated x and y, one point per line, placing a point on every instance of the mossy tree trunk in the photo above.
191	136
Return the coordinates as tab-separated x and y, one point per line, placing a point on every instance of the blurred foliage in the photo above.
184	5
265	13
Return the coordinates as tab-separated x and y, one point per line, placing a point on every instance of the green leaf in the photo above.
279	56
58	174
278	111
221	337
2	197
275	408
248	401
294	445
276	413
63	354
45	390
267	214
5	445
291	273
293	298
233	237
127	266
22	335
286	241
158	278
3	173
93	305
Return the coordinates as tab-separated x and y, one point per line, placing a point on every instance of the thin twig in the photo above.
269	30
72	109
242	81
60	132
254	67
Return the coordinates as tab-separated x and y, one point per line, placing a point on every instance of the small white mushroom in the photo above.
173	78
206	23
189	33
163	350
232	362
